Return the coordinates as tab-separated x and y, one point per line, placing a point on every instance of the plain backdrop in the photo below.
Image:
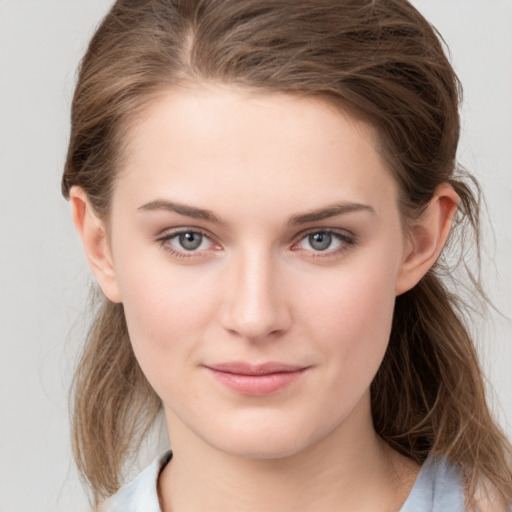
43	275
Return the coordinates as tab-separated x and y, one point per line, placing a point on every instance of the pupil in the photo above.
190	241
320	241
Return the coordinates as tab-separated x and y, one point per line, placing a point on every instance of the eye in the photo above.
324	241
190	241
320	241
186	242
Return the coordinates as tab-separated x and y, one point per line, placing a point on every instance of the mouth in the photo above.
256	380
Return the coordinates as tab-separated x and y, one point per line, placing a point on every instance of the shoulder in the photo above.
486	502
489	506
438	488
139	495
441	481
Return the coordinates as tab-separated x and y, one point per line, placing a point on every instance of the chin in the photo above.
262	449
264	441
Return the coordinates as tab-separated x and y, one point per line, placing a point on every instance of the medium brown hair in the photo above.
380	60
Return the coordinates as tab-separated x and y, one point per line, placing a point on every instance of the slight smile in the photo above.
256	380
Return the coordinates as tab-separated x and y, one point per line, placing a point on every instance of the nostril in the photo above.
256	331
253	306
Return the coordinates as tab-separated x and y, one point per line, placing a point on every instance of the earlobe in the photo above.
93	234
427	237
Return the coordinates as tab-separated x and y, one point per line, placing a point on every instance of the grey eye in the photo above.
320	241
190	241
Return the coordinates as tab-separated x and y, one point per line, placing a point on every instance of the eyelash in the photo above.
168	236
345	239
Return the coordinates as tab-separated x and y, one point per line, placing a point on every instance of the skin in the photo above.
245	171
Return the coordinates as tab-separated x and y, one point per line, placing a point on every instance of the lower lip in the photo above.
257	385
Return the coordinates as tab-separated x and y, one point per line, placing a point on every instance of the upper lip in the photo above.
242	368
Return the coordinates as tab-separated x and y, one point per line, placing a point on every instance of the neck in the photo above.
352	469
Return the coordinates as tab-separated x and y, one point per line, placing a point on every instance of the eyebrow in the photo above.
182	209
300	218
330	211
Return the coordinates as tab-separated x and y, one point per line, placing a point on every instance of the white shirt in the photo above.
438	488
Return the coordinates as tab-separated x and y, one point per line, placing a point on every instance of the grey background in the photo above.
43	276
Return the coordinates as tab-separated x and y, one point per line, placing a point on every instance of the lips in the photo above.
256	380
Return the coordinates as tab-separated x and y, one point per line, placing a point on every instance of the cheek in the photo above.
351	316
166	314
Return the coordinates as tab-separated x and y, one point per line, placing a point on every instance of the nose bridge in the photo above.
254	307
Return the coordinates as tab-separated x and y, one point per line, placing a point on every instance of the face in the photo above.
257	247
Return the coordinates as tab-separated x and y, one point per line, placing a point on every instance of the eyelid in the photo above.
347	238
167	234
344	236
170	232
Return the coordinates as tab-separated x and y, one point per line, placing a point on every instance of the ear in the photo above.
427	237
93	233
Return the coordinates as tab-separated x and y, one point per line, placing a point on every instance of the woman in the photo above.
264	190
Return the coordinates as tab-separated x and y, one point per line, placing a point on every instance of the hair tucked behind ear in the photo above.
114	405
377	59
429	395
432	386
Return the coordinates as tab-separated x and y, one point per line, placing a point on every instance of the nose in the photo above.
255	306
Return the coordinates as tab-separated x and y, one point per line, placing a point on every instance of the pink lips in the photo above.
256	380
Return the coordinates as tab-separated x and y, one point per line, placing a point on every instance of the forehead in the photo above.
207	142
